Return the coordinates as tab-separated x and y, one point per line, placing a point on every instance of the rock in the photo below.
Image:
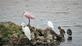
39	36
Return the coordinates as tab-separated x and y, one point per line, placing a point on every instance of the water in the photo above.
66	13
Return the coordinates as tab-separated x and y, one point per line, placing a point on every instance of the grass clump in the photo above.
7	29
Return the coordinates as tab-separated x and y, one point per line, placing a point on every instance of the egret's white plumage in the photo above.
26	30
50	25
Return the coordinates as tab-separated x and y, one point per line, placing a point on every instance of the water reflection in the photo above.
69	33
69	38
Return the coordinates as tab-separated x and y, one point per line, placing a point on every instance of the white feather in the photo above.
26	31
50	24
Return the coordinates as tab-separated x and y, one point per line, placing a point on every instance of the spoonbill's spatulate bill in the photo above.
26	31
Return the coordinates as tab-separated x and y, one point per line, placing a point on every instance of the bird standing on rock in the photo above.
62	32
51	26
26	30
29	16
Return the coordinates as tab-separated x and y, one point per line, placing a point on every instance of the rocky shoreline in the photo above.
11	34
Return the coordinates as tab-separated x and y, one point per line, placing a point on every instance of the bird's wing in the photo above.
27	32
50	24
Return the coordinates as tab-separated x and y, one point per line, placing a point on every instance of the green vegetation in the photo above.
7	29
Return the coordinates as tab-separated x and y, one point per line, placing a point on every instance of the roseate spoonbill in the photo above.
26	30
29	16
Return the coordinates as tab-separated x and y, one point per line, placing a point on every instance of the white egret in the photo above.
50	25
54	33
26	30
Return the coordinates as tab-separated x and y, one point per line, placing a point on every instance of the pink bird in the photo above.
29	16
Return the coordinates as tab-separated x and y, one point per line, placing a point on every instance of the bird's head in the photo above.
59	27
23	24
